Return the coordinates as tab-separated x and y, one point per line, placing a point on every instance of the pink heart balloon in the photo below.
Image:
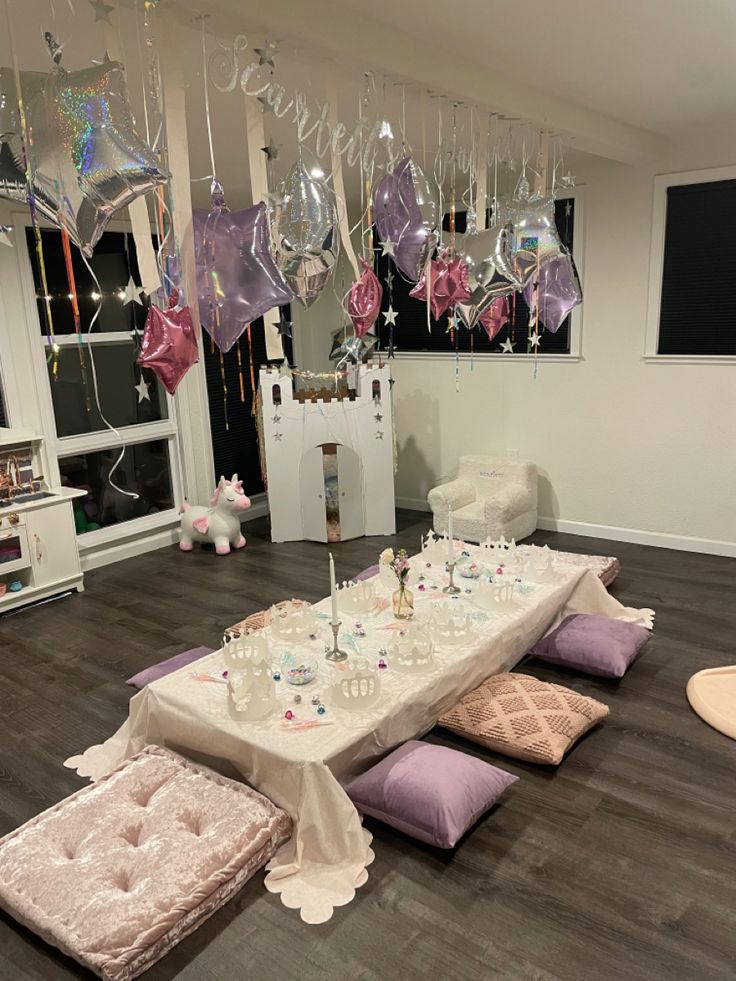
364	300
495	316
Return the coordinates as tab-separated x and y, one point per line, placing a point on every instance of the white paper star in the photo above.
266	53
272	150
507	347
534	340
132	293
102	10
379	434
388	247
389	317
142	389
378	417
278	436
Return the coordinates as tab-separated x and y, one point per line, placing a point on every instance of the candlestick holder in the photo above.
451	587
336	655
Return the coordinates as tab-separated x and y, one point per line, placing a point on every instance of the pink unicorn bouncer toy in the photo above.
220	522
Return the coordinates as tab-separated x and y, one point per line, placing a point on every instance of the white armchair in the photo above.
490	497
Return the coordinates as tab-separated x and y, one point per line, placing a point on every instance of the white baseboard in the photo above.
413	503
637	536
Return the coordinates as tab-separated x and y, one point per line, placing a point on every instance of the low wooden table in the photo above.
303	771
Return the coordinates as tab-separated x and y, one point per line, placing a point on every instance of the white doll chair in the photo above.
491	496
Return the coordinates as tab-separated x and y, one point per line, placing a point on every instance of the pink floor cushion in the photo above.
159	670
118	873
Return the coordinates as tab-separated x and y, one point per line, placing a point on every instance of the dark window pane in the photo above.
3	416
145	469
72	390
411	333
697	313
113	262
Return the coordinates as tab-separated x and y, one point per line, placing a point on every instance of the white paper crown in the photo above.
495	596
292	622
358	687
357	597
413	653
538	565
250	682
447	627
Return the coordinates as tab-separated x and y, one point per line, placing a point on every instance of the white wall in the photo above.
627	449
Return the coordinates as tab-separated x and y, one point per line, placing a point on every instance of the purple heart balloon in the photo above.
237	278
559	291
405	212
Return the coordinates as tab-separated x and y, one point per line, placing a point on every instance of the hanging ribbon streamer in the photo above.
72	283
338	181
252	369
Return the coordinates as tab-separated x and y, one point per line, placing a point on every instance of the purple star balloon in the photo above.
237	278
169	345
559	291
406	214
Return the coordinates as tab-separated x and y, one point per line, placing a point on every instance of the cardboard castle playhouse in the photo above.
329	457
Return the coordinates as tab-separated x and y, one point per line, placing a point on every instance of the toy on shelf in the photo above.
220	522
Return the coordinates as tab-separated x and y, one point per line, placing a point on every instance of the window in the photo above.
3	416
82	447
411	333
696	315
691	285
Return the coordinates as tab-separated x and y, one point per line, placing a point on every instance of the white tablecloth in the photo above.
303	771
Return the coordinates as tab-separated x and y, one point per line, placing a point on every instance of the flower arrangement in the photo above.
398	563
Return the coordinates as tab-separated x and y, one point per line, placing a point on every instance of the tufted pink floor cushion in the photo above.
120	872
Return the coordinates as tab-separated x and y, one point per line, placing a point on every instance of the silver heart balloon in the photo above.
491	272
306	237
86	159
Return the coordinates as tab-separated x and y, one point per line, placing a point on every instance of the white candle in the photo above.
450	551
333	590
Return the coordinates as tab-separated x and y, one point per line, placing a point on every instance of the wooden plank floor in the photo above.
620	864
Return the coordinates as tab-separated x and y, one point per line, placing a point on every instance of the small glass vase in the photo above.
403	600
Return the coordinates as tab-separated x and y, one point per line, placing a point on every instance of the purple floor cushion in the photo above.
429	792
118	873
162	668
593	645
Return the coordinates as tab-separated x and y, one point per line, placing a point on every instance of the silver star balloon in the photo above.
354	349
305	233
87	161
491	272
534	231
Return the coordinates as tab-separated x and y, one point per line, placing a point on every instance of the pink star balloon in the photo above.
448	285
169	344
495	317
364	300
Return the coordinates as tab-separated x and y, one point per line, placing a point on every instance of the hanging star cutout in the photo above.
379	434
132	293
272	150
568	209
389	317
388	247
102	10
378	417
568	180
266	106
4	235
284	326
276	419
534	340
266	53
278	436
389	279
142	389
507	347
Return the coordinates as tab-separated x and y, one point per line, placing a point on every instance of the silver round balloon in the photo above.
306	236
86	159
491	272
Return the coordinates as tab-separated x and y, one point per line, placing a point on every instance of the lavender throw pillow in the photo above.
594	645
429	792
160	670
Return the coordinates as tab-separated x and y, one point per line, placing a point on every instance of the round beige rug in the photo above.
712	694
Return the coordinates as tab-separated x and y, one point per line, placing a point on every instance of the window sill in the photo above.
136	527
483	356
689	359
